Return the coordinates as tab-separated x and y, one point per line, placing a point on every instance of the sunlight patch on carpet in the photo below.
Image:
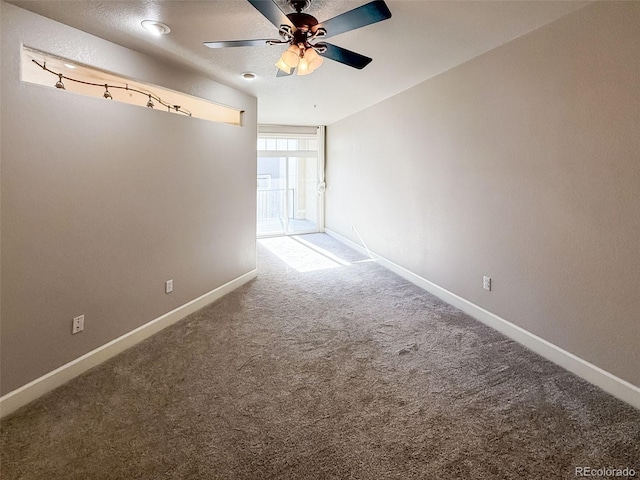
321	251
297	255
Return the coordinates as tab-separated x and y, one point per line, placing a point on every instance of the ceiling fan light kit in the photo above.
304	68
306	60
314	58
291	56
302	31
286	69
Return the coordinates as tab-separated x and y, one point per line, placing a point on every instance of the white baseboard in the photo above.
38	387
608	382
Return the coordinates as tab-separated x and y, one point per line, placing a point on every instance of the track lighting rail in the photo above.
151	97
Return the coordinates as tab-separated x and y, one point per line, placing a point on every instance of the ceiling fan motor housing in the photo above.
303	21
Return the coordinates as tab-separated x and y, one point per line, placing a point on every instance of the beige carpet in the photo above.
327	366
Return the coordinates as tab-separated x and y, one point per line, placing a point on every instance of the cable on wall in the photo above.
107	94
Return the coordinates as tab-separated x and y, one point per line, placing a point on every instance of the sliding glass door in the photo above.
289	185
273	204
303	183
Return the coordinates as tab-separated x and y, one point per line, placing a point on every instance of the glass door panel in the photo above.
272	196
303	186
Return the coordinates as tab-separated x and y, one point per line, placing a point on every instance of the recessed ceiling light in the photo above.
156	28
68	65
248	75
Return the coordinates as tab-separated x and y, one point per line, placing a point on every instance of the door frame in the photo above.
317	133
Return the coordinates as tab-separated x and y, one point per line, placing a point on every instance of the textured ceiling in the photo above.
421	40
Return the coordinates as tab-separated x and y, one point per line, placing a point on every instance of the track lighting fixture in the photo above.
107	94
59	83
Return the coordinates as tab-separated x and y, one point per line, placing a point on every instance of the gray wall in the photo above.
102	201
522	164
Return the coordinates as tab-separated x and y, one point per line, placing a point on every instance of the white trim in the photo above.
608	382
321	176
287	131
287	153
38	387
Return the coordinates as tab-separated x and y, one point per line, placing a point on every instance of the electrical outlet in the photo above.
78	324
486	283
168	286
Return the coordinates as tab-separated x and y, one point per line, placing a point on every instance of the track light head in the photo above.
59	83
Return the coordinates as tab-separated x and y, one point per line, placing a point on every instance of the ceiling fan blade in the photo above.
272	12
283	74
237	43
372	12
345	56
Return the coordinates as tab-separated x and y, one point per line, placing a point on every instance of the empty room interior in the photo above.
319	239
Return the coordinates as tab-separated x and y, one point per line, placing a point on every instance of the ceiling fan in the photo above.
301	31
